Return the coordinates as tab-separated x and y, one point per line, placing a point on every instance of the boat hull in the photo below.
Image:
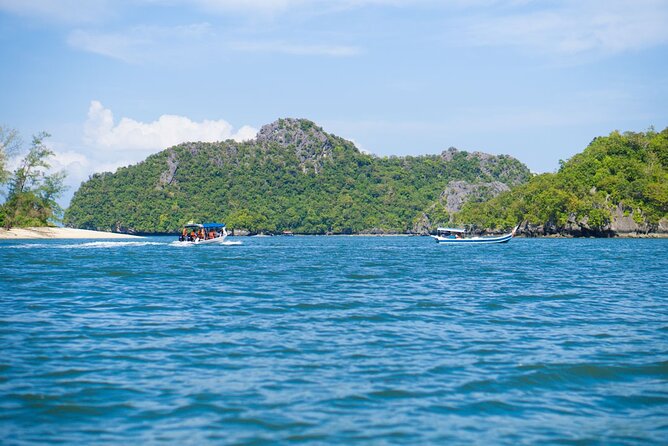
210	241
473	240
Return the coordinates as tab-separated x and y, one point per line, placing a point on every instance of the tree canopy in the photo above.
32	191
627	170
10	143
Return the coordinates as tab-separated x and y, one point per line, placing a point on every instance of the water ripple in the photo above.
334	340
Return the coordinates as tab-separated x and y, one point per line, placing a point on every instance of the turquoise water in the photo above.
334	340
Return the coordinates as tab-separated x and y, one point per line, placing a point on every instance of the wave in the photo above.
109	244
26	246
179	244
86	245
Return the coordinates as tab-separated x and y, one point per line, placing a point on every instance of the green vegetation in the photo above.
32	193
10	143
293	177
626	171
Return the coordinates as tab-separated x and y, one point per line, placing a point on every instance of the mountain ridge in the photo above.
293	176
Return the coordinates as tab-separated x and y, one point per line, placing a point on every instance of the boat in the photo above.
458	236
203	233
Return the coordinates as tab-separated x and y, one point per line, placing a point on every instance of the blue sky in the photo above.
116	80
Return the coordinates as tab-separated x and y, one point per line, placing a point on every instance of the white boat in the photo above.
203	233
457	236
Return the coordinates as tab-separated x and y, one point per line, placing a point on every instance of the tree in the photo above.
31	200
627	171
10	142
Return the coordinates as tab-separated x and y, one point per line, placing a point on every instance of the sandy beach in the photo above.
58	233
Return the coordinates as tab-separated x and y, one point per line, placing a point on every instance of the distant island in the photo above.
296	177
292	177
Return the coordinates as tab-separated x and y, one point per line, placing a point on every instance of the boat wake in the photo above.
178	244
87	245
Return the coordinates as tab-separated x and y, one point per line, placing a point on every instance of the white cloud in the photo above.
571	27
298	49
64	11
261	6
89	11
564	27
117	46
146	44
78	168
103	132
273	7
142	43
110	144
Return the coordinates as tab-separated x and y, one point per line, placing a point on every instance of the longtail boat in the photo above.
458	236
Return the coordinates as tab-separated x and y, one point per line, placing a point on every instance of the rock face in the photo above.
459	192
491	165
167	176
310	143
423	226
629	222
453	198
623	222
663	226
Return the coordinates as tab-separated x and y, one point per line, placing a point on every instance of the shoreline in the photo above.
38	233
41	233
652	235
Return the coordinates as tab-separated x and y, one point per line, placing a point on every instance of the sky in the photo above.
114	81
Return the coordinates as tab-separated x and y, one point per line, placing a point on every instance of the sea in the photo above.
334	340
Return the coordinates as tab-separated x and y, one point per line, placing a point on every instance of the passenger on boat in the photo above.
192	236
212	234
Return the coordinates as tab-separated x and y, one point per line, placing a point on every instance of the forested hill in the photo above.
293	176
617	185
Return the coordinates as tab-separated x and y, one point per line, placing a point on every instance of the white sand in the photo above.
57	233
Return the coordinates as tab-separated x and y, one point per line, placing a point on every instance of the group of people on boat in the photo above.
197	232
450	233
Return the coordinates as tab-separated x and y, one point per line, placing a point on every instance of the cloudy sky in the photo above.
116	80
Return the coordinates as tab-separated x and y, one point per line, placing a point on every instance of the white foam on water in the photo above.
26	246
107	244
87	245
178	244
232	243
